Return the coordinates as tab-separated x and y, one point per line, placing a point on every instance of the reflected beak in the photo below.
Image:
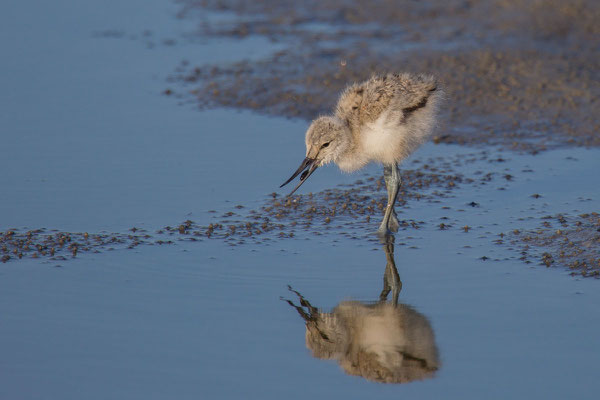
308	166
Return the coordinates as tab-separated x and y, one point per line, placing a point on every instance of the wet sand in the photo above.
519	74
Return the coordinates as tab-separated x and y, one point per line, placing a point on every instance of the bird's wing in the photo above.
364	102
412	92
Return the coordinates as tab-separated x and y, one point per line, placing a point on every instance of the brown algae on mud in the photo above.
357	207
279	218
353	211
519	74
441	183
437	195
56	245
570	241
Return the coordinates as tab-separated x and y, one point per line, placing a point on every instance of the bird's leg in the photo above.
391	175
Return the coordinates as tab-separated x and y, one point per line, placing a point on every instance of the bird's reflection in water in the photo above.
385	341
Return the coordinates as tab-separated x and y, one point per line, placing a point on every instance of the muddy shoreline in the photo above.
519	74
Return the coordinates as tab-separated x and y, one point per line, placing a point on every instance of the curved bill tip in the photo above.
304	177
306	163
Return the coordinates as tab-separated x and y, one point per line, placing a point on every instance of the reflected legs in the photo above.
391	278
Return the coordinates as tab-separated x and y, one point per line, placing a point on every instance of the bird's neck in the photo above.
351	157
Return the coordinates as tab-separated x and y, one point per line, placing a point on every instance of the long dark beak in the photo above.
309	165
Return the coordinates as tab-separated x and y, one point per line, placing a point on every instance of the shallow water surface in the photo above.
207	321
88	140
90	144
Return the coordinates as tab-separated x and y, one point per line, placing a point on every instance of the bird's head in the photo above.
327	138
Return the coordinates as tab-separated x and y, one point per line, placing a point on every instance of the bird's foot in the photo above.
384	234
393	223
386	238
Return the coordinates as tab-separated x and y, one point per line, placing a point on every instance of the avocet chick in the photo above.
383	119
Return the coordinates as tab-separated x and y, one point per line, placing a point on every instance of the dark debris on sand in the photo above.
569	241
56	245
353	210
312	214
358	207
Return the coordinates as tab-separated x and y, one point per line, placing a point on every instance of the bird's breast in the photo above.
380	140
352	161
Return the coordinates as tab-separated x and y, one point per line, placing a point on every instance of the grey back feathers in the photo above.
404	93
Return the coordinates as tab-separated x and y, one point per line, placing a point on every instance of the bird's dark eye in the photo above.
325	145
